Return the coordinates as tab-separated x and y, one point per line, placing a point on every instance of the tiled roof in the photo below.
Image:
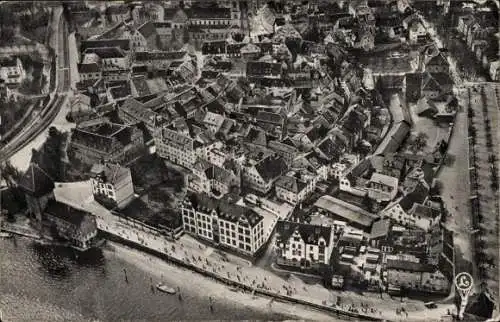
88	68
392	141
380	228
36	181
282	147
218	174
141	86
137	110
113	10
290	183
430	84
65	212
271	167
225	210
147	29
345	210
384	179
310	234
176	139
106	52
208	13
438	60
113	173
214	47
329	149
418	195
260	68
269	117
124	44
257	136
426	212
159	55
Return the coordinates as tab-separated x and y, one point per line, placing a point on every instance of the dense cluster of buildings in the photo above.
277	129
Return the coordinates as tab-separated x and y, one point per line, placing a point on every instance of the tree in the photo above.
419	142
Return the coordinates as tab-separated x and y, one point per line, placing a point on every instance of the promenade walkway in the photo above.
193	252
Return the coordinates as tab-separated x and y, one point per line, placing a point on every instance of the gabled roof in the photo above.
65	212
124	44
208	13
418	195
271	167
329	149
106	52
438	60
430	84
225	210
291	183
384	179
112	173
346	210
426	212
269	117
88	68
256	136
310	234
380	228
147	29
36	181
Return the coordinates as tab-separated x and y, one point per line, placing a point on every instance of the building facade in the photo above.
228	225
77	226
112	183
303	245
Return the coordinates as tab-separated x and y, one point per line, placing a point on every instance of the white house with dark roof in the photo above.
262	174
226	224
112	183
401	210
303	245
294	188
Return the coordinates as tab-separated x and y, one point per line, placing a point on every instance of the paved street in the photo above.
18	150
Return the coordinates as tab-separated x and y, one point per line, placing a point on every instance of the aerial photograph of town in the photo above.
213	160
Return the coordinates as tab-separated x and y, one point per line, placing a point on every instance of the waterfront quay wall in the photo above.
244	287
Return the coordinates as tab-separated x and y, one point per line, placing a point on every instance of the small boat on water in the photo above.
165	288
234	289
4	234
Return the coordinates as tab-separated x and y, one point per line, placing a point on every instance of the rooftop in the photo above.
345	210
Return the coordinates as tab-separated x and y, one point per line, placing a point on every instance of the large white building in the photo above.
225	224
303	245
112	182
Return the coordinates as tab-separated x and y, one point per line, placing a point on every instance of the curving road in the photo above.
63	84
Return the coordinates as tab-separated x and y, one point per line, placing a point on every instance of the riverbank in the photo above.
186	279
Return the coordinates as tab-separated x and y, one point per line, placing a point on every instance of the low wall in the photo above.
280	297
